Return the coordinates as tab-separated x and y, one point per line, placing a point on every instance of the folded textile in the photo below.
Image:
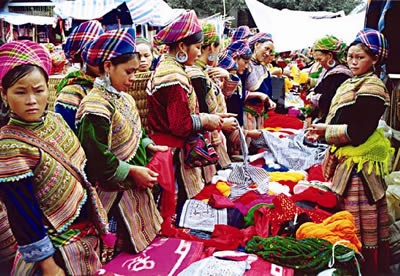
216	266
322	198
218	202
198	215
282	121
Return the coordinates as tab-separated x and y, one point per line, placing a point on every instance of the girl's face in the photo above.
28	96
123	74
146	57
322	58
359	61
193	51
263	50
242	65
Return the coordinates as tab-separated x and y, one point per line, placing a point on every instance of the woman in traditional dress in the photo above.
109	128
75	86
54	213
145	50
206	81
258	82
360	154
174	114
330	52
241	33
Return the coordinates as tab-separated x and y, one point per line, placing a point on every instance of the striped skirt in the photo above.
372	222
8	244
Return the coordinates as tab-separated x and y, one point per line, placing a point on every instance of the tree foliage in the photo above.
209	7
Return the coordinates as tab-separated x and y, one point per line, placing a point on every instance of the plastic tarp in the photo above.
20	19
292	30
152	12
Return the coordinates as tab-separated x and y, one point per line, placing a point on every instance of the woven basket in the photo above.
138	92
53	82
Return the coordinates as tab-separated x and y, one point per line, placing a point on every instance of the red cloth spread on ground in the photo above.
315	173
153	261
217	201
322	198
283	121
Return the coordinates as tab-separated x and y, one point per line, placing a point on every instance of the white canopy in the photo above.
20	19
292	30
153	12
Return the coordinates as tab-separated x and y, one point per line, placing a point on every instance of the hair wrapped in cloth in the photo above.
110	45
22	52
242	32
332	44
239	48
375	41
183	27
226	61
260	37
80	36
210	33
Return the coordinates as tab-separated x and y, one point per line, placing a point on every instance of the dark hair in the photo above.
216	44
260	40
18	73
142	40
119	60
190	40
247	57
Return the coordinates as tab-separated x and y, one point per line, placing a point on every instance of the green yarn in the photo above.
249	218
308	255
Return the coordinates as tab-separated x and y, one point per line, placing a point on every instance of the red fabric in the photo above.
225	237
283	121
167	140
322	198
218	201
315	173
288	183
162	164
248	197
285	210
264	268
207	191
169	112
258	163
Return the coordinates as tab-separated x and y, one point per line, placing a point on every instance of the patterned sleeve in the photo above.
102	165
17	160
25	218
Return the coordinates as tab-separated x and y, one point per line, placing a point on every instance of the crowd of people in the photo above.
80	184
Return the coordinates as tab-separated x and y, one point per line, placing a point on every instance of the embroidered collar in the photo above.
16	120
359	77
103	85
201	64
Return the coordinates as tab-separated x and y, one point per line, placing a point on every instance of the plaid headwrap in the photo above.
239	47
210	33
226	61
260	37
242	32
184	26
110	45
375	41
332	44
80	36
22	52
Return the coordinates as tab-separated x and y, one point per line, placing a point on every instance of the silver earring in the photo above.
107	80
331	63
84	68
181	57
212	58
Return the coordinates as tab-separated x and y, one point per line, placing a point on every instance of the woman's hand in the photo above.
218	72
153	148
315	132
211	122
143	177
230	124
271	105
50	268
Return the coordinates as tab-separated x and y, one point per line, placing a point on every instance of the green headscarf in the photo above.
332	44
210	33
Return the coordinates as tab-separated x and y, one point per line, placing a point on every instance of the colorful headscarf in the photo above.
226	61
184	26
110	45
375	41
242	32
239	48
331	44
80	36
210	33
260	37
22	52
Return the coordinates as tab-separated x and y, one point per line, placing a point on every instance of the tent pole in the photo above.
223	2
